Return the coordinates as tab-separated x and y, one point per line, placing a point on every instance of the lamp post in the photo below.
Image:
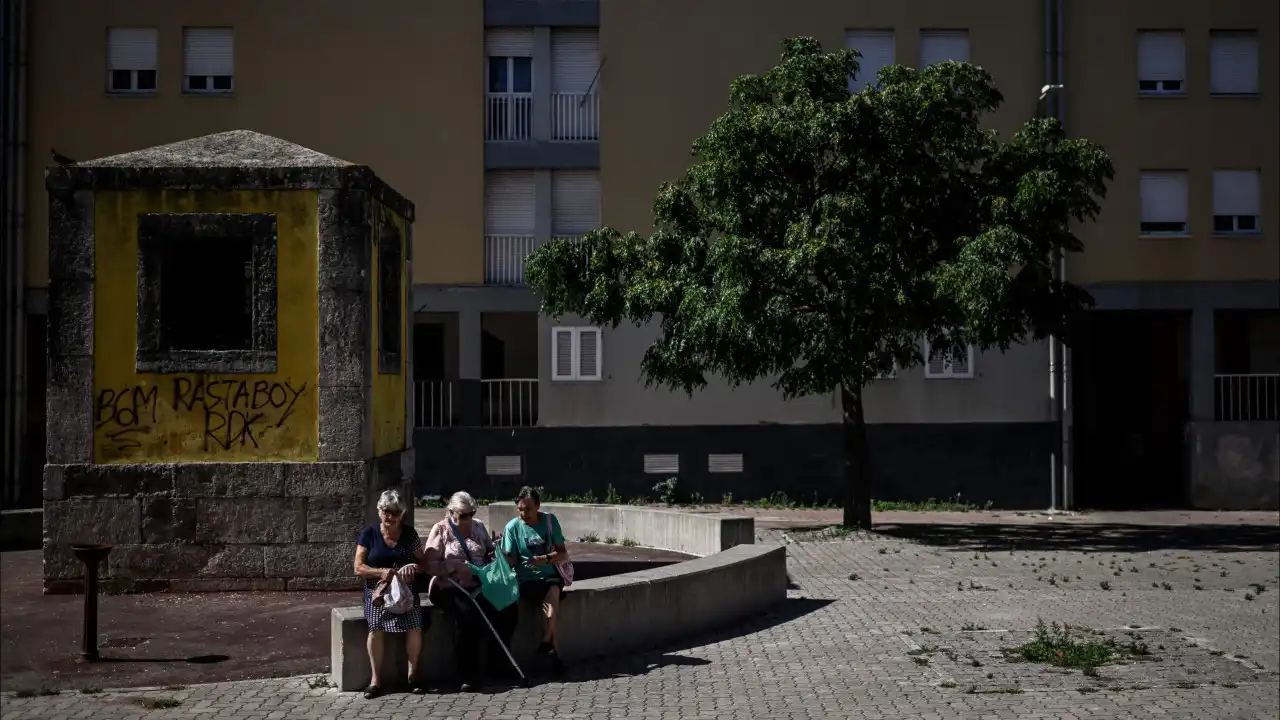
1057	355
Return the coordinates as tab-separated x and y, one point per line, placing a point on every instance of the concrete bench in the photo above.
623	613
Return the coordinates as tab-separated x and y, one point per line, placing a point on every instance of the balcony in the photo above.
575	117
508	117
433	403
1247	397
509	402
504	257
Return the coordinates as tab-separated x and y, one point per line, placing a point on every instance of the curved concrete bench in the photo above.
736	579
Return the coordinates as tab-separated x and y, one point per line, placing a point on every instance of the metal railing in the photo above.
433	403
575	117
509	402
508	117
1247	397
504	257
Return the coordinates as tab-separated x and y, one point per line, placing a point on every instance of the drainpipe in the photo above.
15	26
1063	440
1047	96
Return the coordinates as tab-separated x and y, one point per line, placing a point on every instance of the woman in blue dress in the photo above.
384	549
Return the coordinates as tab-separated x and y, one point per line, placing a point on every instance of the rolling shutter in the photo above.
1233	63
588	354
575	201
509	203
131	48
208	51
877	51
575	58
562	353
1161	56
509	42
1164	197
941	45
1236	192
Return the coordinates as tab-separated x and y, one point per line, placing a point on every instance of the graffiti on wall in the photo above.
219	414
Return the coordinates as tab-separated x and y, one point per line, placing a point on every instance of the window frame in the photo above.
950	373
575	373
154	229
133	88
853	34
1256	201
1218	35
1185	230
927	33
187	88
1159	89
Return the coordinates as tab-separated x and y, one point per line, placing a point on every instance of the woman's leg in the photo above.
461	612
550	609
412	650
374	645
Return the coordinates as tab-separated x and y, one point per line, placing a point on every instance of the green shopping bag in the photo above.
498	582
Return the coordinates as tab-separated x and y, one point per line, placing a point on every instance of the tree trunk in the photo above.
857	460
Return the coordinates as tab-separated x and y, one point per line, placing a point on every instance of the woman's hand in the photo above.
386	574
408	571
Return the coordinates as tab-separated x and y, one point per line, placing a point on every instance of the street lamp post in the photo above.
1057	355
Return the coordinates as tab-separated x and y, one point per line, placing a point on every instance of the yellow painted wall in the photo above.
388	389
151	417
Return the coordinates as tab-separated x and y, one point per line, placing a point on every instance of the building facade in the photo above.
542	119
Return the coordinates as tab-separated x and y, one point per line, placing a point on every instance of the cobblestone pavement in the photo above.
909	625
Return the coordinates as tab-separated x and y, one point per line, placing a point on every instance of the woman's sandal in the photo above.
417	687
372	692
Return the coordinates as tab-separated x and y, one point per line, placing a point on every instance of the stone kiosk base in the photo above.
212	526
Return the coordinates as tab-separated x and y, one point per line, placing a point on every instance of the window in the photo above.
208	60
575	353
877	51
1162	63
1233	63
509	210
940	365
575	84
661	463
1237	201
941	45
390	298
1164	202
207	292
509	84
131	60
575	202
724	463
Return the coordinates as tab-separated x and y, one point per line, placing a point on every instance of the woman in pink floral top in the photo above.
474	648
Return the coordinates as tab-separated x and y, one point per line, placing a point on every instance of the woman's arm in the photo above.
363	570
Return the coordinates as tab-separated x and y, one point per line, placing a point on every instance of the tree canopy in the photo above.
820	235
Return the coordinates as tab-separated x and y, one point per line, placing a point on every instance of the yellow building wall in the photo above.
388	389
233	417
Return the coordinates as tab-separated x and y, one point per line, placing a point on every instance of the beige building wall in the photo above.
1196	132
395	84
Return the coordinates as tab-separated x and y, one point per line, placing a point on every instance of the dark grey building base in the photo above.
213	526
1004	463
20	529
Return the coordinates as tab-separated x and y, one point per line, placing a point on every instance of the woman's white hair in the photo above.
391	500
460	502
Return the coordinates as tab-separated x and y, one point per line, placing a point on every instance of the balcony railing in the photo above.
1247	397
504	257
433	403
509	402
575	117
508	117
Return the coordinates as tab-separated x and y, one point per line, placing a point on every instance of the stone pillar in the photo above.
1202	353
469	367
542	83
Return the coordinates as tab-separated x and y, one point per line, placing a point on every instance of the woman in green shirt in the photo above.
534	544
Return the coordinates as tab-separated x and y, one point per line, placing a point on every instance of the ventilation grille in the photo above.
724	463
502	464
662	464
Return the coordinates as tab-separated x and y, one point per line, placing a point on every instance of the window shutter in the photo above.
877	51
1236	192
939	365
1161	56
509	42
1233	63
588	354
1164	197
575	57
509	202
208	51
562	353
941	45
131	48
962	365
575	201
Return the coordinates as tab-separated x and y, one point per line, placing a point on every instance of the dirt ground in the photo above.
178	639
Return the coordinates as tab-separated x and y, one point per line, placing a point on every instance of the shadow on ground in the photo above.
1091	537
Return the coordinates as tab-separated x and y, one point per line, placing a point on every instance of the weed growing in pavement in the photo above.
1055	645
319	682
628	542
610	540
159	703
590	538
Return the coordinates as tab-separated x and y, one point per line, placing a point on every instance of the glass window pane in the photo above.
146	79
498	74
522	75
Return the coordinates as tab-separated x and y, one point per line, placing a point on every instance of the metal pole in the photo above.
89	653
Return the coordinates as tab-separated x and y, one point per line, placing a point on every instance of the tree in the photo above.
819	236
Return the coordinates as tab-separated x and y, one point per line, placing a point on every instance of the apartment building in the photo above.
512	123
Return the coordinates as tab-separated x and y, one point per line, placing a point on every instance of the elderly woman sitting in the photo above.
383	550
453	542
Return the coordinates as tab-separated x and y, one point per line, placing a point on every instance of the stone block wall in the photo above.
212	526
